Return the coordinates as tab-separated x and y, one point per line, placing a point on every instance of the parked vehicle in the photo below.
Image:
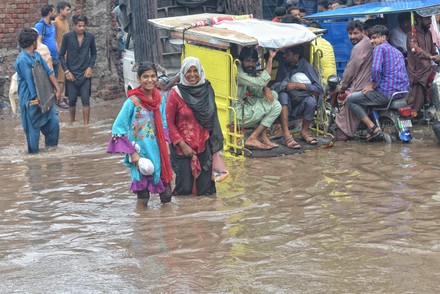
400	120
215	40
128	62
335	21
394	118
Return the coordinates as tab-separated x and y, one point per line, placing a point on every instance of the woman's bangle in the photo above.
66	72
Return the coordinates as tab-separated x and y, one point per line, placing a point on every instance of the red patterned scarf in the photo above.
154	104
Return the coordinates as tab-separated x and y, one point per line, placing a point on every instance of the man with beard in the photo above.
258	106
358	70
356	75
304	103
47	34
420	55
388	75
80	48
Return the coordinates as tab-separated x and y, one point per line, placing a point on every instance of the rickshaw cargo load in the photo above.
270	34
244	32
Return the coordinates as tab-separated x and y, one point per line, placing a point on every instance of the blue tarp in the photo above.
423	7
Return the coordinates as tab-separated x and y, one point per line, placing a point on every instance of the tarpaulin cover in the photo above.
270	34
423	7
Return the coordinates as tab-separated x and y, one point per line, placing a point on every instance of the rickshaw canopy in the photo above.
422	7
244	32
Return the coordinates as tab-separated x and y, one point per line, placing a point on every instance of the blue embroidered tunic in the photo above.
135	125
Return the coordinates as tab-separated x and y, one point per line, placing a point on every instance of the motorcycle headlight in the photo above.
333	81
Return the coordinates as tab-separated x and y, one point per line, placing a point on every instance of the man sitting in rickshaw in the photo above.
298	99
258	106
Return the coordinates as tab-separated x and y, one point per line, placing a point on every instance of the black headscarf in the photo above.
201	100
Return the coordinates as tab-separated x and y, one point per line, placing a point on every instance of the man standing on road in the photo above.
62	28
47	33
80	48
420	55
32	119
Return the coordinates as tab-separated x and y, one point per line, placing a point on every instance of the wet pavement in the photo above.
354	218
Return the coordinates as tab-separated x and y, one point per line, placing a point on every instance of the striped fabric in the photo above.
388	70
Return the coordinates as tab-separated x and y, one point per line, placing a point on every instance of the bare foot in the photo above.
255	144
265	140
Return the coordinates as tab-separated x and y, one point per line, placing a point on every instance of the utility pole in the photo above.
144	34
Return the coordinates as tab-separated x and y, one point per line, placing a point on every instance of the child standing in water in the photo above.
138	132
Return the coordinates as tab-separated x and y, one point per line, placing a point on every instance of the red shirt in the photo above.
183	125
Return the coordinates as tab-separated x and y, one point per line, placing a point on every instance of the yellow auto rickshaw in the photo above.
215	39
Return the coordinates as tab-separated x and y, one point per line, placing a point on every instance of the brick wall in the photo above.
16	14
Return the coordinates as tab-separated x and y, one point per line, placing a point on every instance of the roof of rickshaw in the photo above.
244	32
423	7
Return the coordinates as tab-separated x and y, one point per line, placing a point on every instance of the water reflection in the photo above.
350	219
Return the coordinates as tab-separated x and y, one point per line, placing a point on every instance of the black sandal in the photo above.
373	135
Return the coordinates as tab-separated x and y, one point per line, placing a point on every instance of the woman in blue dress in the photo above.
139	133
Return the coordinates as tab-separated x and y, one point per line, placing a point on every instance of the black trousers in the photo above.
184	179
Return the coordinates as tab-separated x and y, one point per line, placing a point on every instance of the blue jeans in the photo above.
357	101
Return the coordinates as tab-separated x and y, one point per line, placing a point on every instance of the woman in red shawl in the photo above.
194	130
139	133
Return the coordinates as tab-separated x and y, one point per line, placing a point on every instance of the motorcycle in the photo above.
393	118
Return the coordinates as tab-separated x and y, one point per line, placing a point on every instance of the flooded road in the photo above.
355	218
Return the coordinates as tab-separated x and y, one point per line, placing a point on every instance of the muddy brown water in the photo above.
355	218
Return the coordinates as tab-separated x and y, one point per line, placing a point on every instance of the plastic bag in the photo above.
219	171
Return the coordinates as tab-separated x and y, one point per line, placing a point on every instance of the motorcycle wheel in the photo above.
387	138
389	129
436	130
